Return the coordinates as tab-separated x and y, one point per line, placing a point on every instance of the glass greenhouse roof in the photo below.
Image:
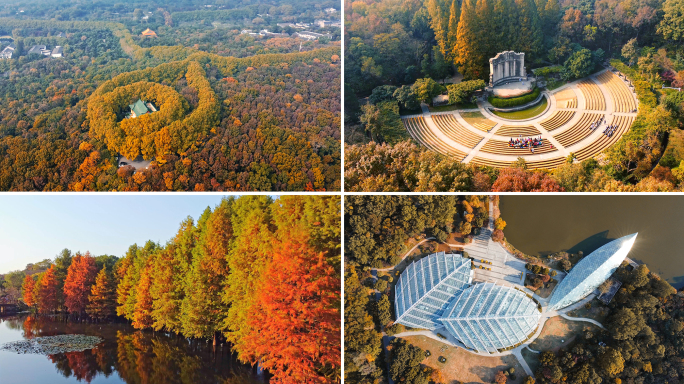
590	272
487	317
427	286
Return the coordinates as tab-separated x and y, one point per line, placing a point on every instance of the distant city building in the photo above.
308	35
302	25
330	10
8	51
591	272
140	108
39	50
146	17
327	23
61	34
58	51
265	32
149	33
248	32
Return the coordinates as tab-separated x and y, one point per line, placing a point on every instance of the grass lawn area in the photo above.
598	311
465	366
453	107
558	333
525	113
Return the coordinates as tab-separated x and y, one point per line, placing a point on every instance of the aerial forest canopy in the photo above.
261	274
235	111
401	53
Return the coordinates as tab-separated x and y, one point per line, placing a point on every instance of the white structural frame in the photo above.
488	317
427	286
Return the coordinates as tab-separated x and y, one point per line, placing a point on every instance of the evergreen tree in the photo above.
142	310
168	281
452	34
253	230
27	290
47	292
123	282
127	291
468	53
79	280
501	30
62	264
202	308
439	21
102	299
529	33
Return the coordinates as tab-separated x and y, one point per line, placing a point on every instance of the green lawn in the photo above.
525	113
453	107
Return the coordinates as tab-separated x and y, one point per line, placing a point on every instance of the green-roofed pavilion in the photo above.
138	108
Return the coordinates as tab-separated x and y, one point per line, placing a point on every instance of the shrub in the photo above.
395	329
381	285
514	101
465	228
461	92
497	235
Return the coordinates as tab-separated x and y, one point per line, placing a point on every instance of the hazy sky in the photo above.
37	227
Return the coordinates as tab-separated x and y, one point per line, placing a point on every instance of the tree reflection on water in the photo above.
137	357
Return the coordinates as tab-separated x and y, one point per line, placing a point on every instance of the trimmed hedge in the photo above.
514	101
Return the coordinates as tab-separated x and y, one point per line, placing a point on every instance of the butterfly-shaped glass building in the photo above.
437	291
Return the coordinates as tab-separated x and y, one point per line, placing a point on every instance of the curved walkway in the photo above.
551	159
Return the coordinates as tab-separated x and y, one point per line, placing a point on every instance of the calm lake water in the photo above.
539	225
125	356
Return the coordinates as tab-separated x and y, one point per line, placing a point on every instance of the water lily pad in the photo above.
50	345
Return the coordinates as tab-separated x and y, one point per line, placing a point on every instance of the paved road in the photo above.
138	163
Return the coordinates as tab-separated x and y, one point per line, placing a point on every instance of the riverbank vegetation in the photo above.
254	272
246	113
392	44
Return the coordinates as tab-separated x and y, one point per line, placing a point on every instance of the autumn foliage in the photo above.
300	289
46	289
79	280
27	289
261	274
102	297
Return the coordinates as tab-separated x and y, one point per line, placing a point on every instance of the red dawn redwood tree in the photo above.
47	292
79	280
27	289
296	322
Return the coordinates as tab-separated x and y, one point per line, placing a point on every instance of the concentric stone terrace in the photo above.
477	136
